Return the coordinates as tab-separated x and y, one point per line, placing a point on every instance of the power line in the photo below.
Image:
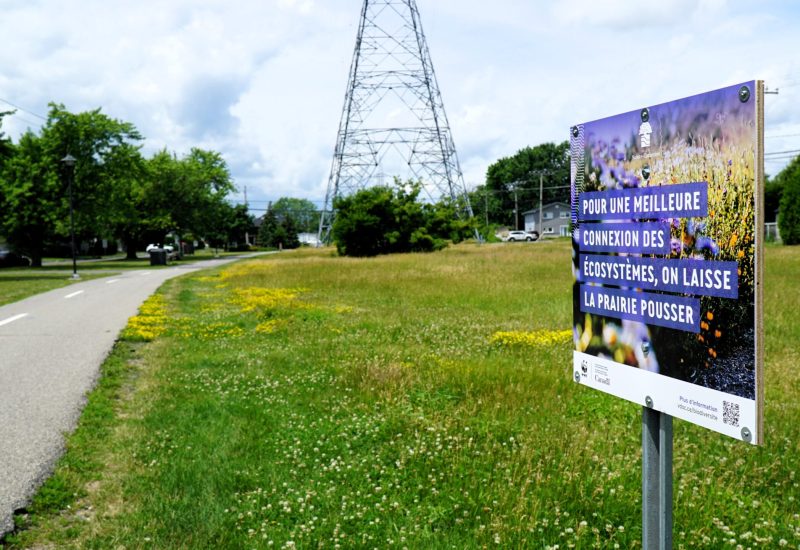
37	115
258	201
27	120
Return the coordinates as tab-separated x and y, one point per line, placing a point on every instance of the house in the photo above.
555	220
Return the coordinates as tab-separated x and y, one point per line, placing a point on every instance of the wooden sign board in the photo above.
667	216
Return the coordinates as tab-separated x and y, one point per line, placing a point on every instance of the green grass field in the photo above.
19	283
305	400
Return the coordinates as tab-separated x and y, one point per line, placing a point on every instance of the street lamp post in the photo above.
69	162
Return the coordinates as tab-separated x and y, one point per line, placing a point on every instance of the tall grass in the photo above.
306	400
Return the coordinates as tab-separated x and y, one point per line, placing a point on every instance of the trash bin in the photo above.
158	256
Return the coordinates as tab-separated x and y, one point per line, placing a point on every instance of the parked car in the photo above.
172	253
521	236
9	258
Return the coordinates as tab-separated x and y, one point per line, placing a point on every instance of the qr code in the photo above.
730	413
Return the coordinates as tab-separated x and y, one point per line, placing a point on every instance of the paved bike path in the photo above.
51	349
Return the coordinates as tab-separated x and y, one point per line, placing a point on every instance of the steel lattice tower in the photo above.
393	121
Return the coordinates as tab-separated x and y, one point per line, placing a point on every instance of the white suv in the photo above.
521	236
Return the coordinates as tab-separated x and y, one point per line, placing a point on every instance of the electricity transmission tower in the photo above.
393	121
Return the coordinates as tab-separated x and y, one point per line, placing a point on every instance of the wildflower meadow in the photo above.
305	400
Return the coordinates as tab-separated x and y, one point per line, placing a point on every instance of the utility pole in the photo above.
246	233
541	200
516	207
486	204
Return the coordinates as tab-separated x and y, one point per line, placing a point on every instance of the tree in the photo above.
188	194
382	220
6	147
773	190
266	232
30	191
104	149
278	233
163	171
304	214
789	217
116	191
129	217
240	225
199	194
520	173
363	221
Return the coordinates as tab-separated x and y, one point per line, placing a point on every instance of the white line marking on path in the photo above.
12	319
112	281
68	296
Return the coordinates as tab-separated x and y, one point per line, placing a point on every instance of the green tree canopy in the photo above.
303	213
6	147
789	218
521	173
241	225
117	193
188	194
30	192
773	190
278	232
383	220
103	148
128	214
35	181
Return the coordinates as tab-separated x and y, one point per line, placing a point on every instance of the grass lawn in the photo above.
304	400
19	283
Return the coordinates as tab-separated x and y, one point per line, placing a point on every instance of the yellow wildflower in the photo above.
539	338
150	323
268	327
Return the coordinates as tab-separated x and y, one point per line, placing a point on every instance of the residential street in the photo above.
51	348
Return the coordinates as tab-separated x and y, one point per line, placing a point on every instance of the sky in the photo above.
263	81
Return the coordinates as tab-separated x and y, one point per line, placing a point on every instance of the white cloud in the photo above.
263	81
631	14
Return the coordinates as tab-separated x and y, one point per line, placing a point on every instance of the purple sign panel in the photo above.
663	310
673	201
708	278
644	238
665	205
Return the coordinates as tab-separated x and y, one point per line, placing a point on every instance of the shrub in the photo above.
789	214
383	220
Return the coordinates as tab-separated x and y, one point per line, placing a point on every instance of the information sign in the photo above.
666	216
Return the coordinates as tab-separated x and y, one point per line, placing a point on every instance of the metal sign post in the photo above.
656	479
